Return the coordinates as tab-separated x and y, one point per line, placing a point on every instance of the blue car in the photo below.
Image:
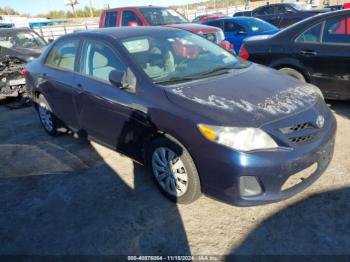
199	118
236	29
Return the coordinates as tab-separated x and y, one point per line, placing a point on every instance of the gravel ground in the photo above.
65	195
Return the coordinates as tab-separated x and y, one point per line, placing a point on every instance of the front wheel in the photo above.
174	171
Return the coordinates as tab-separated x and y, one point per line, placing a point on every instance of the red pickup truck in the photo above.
160	16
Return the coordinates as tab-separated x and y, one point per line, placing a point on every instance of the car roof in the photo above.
124	32
133	7
235	18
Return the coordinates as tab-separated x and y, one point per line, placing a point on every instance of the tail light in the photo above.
243	52
24	72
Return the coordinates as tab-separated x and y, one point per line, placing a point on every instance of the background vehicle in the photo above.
201	119
17	47
206	18
155	16
236	29
316	50
283	15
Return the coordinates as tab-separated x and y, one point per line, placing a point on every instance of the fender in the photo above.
291	63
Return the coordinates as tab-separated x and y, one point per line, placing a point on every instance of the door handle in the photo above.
308	53
80	85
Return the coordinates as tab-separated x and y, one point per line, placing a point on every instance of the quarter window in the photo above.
337	30
111	19
63	54
98	60
312	35
130	16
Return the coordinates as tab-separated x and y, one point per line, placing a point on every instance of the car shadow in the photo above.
317	225
340	107
75	198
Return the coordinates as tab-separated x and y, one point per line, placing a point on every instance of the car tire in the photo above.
293	73
47	118
173	170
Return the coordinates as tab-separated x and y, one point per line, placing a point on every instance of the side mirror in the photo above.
50	40
133	23
117	78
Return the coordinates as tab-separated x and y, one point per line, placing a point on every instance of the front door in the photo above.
108	113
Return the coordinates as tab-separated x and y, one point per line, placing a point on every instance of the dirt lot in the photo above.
65	195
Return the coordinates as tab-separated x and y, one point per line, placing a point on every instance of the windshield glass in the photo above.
258	26
179	56
300	6
162	16
23	39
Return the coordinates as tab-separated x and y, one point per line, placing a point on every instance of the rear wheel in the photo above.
174	170
293	73
47	118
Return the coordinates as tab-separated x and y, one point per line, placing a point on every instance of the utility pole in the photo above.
91	10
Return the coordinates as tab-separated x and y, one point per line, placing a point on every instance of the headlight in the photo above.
238	138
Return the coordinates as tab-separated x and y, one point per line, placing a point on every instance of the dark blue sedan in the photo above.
237	29
201	119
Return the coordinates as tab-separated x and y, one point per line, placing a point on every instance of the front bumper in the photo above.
221	168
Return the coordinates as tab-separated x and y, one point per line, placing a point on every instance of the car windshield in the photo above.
23	39
300	7
180	56
258	26
162	16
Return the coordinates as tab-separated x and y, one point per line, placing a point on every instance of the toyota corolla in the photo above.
201	119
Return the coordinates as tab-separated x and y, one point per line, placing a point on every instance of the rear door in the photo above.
324	50
57	80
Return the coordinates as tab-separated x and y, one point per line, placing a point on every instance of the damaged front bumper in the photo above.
261	177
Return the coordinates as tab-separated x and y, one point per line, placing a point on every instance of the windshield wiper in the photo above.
221	70
175	80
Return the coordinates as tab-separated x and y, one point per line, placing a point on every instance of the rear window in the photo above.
111	19
63	54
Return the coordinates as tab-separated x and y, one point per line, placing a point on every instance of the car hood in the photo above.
195	28
249	97
25	54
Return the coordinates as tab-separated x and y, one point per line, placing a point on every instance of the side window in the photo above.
232	27
63	54
267	10
337	30
280	9
311	35
130	16
111	19
98	60
215	23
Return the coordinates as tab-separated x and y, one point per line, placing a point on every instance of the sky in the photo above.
34	7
